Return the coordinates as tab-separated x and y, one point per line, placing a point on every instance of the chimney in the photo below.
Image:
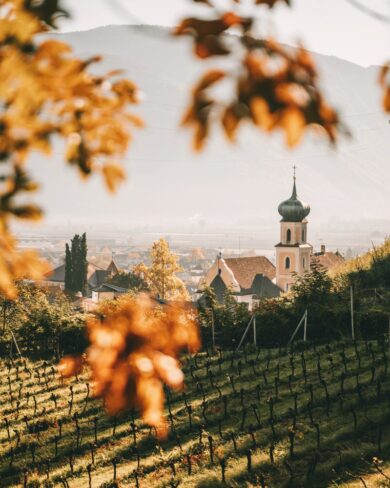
323	248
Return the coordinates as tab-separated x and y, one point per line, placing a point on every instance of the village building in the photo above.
247	278
252	278
96	276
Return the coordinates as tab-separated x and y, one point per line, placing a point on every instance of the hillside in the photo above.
313	417
245	182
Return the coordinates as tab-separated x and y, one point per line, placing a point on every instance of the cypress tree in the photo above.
76	264
68	269
75	253
83	263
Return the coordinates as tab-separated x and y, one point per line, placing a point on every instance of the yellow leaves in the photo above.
293	123
384	82
46	90
113	175
261	114
16	264
134	351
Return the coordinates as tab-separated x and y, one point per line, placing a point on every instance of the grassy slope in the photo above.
344	453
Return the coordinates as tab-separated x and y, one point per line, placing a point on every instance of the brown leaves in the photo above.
276	89
134	350
384	81
207	34
272	3
198	113
70	366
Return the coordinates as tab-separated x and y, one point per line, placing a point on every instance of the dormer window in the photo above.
288	235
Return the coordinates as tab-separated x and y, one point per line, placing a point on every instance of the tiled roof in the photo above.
328	259
245	269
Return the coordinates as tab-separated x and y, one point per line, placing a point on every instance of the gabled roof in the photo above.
57	274
245	269
98	278
328	259
106	287
263	287
113	268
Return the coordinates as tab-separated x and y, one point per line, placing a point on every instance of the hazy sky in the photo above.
329	27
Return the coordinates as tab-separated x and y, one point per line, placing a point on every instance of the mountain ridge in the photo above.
224	185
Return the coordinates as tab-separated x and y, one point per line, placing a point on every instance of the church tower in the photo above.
293	252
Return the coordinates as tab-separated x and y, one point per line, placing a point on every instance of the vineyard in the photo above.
304	416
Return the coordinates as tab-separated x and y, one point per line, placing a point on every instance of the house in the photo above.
247	278
328	259
107	292
96	276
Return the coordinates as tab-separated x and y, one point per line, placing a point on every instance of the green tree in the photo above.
68	269
76	264
131	281
313	287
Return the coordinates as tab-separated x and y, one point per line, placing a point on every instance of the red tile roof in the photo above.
245	269
329	259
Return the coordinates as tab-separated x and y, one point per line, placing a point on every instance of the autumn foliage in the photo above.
133	351
272	86
384	80
47	92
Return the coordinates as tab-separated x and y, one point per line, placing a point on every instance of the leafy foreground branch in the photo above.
133	351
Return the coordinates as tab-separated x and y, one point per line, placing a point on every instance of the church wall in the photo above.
296	229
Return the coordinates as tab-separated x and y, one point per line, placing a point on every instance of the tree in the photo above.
131	281
76	264
160	276
313	287
68	268
46	91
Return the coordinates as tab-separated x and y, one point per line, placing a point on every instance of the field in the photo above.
308	416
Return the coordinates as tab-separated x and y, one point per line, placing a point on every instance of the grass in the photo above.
256	420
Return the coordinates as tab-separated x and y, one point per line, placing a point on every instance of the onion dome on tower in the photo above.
293	210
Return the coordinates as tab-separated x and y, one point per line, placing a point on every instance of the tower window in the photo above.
287	263
304	263
288	235
303	235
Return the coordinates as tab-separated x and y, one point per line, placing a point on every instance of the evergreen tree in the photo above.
76	264
75	255
83	263
68	269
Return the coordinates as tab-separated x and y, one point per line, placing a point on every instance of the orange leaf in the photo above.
113	175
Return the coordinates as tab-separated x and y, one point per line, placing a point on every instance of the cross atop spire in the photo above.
294	193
